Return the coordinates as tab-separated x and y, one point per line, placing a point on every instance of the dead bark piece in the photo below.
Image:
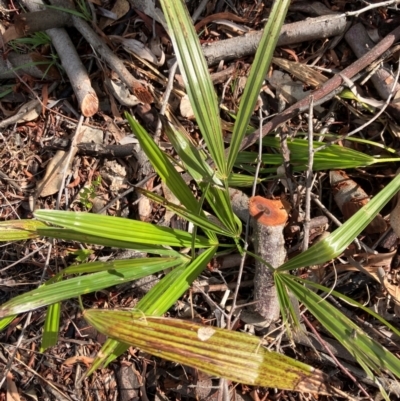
358	39
270	218
128	383
350	198
77	74
241	46
108	151
36	21
111	59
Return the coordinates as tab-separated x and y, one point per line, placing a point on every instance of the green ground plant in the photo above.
144	327
87	194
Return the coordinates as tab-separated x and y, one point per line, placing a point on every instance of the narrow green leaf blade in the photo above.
120	271
72	235
51	327
164	295
219	200
333	157
259	68
197	79
365	350
163	166
200	221
6	321
121	229
242	180
341	238
193	159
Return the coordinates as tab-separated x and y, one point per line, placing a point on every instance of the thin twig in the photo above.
340	366
370	121
309	176
71	151
371	7
164	103
22	259
128	191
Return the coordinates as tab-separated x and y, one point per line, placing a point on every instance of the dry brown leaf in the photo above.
393	290
12	391
87	361
114	130
302	72
121	93
120	8
186	108
51	182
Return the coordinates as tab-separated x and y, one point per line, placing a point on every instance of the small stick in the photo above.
74	68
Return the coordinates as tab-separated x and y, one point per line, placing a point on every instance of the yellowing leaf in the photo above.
236	356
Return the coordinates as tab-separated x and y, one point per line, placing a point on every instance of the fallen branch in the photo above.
28	23
324	93
112	60
302	31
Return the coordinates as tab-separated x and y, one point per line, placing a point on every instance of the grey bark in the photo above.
309	29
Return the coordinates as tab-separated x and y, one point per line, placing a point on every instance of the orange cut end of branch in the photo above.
267	211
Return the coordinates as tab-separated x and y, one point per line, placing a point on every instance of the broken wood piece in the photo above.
73	66
112	60
240	203
269	217
383	80
76	71
350	198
